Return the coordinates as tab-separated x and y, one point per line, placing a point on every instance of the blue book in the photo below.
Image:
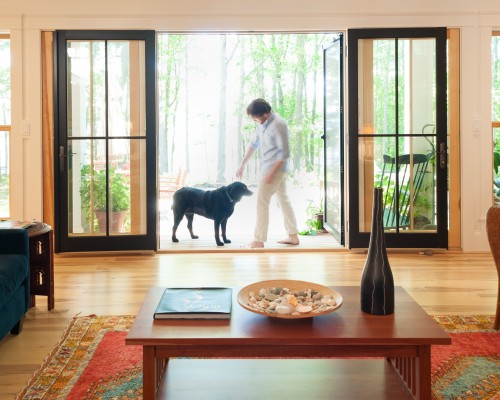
195	303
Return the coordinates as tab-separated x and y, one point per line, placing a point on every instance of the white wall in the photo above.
25	19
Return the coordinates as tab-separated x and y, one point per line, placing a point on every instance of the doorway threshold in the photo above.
316	243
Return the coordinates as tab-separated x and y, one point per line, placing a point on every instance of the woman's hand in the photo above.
239	172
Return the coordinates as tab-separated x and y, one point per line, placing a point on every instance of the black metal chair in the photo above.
409	168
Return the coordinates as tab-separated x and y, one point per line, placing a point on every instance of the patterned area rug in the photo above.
470	367
92	362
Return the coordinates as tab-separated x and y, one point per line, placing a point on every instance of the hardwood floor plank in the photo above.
113	284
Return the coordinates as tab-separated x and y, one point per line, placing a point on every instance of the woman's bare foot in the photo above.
253	245
291	239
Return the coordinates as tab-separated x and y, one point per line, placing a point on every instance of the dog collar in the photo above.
229	197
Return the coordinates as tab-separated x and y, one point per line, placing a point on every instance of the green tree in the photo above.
171	50
283	68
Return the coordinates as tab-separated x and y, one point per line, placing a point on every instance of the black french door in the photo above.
105	144
333	67
398	135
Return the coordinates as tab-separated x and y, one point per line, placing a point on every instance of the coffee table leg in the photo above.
424	373
415	372
149	373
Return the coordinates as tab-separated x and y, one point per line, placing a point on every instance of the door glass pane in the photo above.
5	120
376	88
495	113
127	190
126	88
408	182
416	86
333	135
4	175
106	166
400	158
86	88
121	189
496	164
87	183
5	80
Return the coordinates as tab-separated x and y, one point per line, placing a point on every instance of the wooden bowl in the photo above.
243	296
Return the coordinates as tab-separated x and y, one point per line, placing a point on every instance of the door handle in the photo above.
62	157
442	155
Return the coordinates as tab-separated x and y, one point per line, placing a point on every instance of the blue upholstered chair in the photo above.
14	280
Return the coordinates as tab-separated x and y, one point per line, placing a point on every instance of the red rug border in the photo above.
37	373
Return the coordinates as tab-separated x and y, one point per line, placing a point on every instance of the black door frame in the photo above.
64	243
438	239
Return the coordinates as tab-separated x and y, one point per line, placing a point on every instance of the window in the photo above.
5	121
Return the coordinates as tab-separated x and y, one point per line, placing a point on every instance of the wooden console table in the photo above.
41	258
347	354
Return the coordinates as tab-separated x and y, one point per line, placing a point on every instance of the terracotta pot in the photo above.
116	221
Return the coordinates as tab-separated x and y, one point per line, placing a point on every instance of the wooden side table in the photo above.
41	258
41	262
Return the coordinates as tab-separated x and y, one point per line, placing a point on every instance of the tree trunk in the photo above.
241	101
165	160
186	111
221	167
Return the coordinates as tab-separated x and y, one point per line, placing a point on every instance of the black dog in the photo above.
217	205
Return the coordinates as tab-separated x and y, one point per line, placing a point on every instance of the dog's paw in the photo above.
220	244
194	237
227	241
175	240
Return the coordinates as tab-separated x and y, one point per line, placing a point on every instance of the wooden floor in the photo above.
444	283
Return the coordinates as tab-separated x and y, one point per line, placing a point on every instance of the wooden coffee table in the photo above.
347	354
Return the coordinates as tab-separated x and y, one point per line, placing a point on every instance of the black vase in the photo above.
377	283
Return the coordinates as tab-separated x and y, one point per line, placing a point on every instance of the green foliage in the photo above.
119	194
4	179
496	185
495	103
389	186
285	69
496	151
495	75
422	206
496	162
313	223
496	174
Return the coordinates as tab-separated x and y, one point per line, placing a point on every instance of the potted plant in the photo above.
314	221
93	198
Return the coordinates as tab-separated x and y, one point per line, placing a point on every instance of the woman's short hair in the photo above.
258	107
